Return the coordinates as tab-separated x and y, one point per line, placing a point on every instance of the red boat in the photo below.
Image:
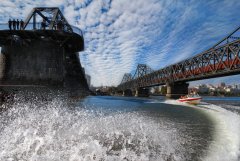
191	98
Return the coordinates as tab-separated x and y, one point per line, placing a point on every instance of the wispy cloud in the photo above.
119	34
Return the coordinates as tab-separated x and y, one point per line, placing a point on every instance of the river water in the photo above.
120	128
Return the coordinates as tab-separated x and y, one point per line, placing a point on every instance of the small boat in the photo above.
191	99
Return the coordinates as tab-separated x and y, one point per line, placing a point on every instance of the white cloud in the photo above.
119	34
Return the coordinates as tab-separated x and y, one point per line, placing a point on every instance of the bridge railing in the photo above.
38	26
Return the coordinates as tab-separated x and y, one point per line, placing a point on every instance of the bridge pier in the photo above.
142	92
176	90
42	63
136	93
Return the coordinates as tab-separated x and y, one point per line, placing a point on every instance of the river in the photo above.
110	128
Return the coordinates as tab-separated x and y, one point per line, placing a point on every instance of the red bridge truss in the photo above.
222	59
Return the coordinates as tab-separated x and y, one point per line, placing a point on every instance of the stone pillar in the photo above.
2	65
39	63
136	93
176	90
42	63
74	75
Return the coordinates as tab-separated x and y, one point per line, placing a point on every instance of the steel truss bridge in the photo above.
222	59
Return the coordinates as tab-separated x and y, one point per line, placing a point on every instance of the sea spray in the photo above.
51	130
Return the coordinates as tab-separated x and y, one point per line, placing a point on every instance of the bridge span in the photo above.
222	59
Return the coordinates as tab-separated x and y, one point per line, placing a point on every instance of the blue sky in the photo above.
119	34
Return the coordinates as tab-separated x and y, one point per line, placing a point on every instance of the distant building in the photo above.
236	86
222	84
203	88
152	90
212	89
232	90
155	90
220	89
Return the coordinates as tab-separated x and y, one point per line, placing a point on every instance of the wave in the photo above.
54	131
57	130
226	139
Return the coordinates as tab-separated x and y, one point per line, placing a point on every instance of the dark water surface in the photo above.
189	126
121	128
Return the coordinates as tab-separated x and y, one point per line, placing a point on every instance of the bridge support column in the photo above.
142	92
42	63
136	93
127	92
176	90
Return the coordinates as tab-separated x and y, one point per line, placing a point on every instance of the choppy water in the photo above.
118	128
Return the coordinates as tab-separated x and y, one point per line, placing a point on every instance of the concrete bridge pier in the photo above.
42	63
127	92
136	93
176	90
142	92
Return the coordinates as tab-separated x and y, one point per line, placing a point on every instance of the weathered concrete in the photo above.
2	65
74	77
39	63
42	63
176	90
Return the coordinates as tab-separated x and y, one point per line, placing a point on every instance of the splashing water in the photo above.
226	142
59	130
53	131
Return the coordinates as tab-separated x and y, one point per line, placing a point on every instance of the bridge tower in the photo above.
141	71
44	53
127	77
134	89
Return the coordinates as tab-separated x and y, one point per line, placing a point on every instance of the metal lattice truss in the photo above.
127	77
142	69
50	15
221	60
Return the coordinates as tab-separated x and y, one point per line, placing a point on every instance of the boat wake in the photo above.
226	139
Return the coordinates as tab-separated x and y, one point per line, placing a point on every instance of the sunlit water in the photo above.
119	128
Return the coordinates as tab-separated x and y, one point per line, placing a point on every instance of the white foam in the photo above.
55	132
226	143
